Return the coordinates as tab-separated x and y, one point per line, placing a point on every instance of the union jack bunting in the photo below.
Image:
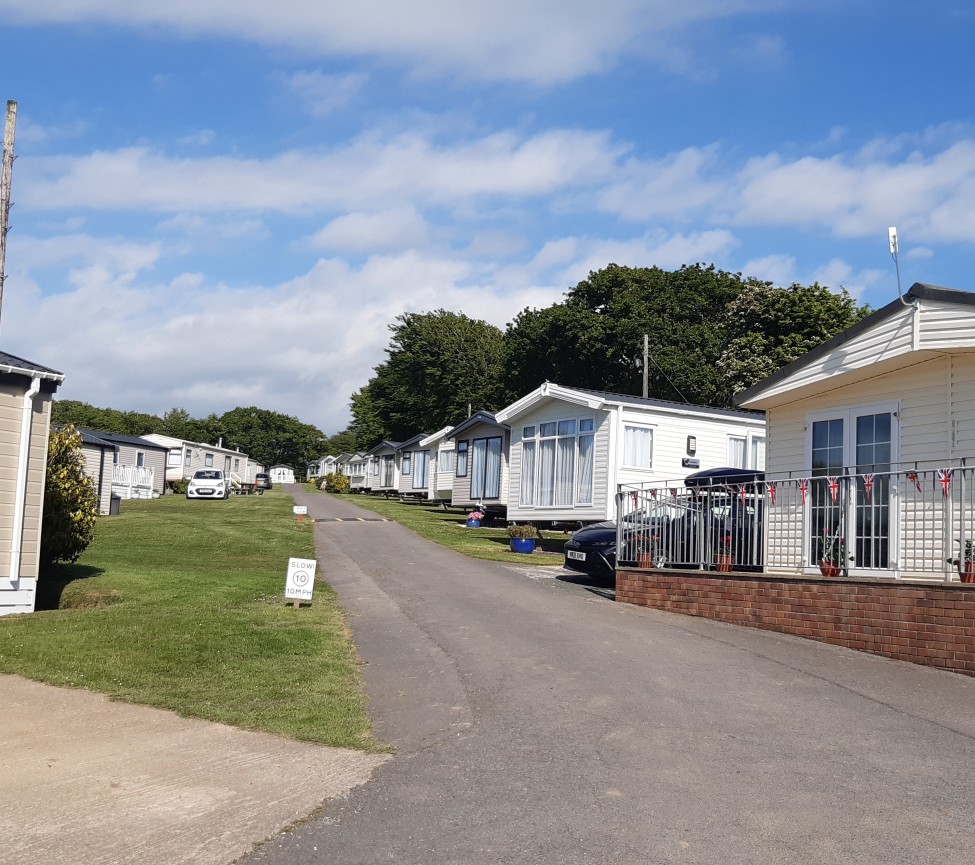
834	488
673	491
913	478
653	494
633	497
770	489
868	485
944	478
742	492
803	488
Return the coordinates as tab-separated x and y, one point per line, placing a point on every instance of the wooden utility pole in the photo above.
5	177
646	365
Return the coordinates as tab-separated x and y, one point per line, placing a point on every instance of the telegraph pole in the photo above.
646	365
6	175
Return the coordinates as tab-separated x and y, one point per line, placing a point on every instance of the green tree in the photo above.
70	500
438	364
269	437
768	327
85	416
594	338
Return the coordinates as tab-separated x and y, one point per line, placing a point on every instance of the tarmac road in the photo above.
537	721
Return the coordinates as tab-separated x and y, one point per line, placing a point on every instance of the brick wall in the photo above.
924	624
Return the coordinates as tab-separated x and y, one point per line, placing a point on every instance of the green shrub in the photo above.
179	487
525	531
70	500
336	483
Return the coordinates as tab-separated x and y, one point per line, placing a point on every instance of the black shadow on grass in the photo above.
54	581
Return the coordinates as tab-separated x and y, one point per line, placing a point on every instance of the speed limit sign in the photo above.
301	579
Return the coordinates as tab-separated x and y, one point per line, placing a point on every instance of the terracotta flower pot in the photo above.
644	560
828	569
725	562
966	570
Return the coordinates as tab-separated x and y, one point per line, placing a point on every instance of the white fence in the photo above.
133	482
910	523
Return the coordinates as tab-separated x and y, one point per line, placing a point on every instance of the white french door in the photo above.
851	452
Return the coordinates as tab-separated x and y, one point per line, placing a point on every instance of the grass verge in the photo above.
180	605
447	528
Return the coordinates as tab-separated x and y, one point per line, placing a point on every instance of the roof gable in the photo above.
880	342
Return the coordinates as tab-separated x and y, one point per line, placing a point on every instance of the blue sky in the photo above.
225	203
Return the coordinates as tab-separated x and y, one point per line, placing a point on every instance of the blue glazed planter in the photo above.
522	545
473	524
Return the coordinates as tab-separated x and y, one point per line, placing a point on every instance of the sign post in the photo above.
300	511
300	581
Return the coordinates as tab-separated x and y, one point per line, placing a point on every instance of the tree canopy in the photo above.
438	364
710	332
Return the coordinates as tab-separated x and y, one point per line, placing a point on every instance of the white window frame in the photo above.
628	425
534	488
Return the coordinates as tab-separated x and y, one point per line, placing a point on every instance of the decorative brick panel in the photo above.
923	624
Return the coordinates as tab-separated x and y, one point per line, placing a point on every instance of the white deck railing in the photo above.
133	482
913	523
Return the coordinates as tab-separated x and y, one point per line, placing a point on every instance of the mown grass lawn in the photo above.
448	528
180	605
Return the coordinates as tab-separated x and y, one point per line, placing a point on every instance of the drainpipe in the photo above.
20	501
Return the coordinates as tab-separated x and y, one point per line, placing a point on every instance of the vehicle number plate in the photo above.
575	554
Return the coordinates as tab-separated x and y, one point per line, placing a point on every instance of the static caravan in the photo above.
357	471
383	474
481	451
138	465
571	448
872	445
185	457
281	474
25	423
441	485
99	458
413	464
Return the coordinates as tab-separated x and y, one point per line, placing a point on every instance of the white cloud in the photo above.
321	94
123	341
366	173
541	41
395	229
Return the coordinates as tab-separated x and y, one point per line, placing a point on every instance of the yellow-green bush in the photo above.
70	500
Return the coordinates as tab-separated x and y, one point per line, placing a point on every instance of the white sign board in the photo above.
300	510
301	579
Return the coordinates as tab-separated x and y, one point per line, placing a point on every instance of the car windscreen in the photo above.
203	475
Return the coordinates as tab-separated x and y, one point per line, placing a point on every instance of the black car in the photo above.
592	549
682	531
262	481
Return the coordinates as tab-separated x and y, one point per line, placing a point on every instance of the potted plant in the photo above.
966	564
648	553
522	537
832	548
474	519
724	547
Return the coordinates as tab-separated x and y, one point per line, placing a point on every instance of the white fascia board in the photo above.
697	413
435	437
31	373
548	391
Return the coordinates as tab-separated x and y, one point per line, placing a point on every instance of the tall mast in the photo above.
5	177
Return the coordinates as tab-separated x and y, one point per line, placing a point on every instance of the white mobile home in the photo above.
281	474
185	457
383	474
441	485
138	465
872	443
413	465
481	453
571	448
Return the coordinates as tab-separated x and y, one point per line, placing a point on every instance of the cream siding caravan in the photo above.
25	422
481	452
872	443
571	448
